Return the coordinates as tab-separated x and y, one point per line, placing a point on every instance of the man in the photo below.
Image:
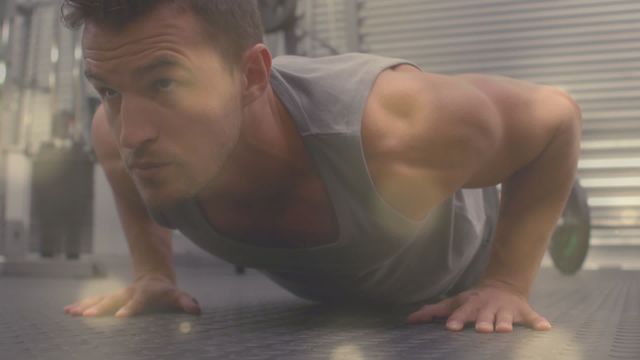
353	178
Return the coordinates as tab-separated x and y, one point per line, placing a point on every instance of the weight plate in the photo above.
570	240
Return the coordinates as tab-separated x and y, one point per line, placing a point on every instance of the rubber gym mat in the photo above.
595	314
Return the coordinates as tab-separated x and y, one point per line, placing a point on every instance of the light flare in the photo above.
347	352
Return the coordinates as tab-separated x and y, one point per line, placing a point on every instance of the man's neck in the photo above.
269	158
269	193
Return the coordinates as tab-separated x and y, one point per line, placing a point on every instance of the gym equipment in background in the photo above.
51	190
278	15
570	241
62	191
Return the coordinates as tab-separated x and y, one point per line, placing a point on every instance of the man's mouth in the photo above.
145	165
144	169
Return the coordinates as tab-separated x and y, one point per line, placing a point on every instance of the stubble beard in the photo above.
187	189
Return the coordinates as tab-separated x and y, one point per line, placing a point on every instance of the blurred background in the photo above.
590	48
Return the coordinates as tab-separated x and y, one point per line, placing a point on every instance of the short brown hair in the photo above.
234	25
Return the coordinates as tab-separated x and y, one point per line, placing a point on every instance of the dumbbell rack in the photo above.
25	83
17	260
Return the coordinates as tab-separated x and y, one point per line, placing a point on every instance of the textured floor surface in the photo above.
596	315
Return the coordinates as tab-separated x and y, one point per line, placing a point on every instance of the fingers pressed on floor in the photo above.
77	310
536	322
504	321
428	312
81	305
131	308
189	304
485	320
542	325
106	306
460	317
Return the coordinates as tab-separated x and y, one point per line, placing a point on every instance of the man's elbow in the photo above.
562	114
566	117
569	107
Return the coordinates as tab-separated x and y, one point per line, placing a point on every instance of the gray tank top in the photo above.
379	254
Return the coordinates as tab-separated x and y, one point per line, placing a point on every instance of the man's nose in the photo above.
136	126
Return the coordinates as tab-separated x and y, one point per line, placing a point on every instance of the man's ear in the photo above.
256	72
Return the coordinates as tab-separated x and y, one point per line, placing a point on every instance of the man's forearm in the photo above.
149	244
152	252
532	201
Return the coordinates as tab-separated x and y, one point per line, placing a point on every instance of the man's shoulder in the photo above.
348	72
411	110
416	130
328	94
400	105
331	60
401	135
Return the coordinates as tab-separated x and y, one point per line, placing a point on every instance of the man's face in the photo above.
174	107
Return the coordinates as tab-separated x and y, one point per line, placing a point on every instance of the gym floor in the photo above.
596	315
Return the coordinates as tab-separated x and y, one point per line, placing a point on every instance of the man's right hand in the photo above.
154	288
148	293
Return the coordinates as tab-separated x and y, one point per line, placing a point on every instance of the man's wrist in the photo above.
507	283
167	274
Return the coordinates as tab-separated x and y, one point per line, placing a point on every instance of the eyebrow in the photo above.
90	75
144	70
162	62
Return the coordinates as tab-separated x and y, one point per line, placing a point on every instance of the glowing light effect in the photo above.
562	340
99	288
347	352
78	53
185	327
3	73
55	54
102	286
5	32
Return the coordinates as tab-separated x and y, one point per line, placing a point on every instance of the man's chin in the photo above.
165	213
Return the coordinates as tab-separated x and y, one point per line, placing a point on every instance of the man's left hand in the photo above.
489	303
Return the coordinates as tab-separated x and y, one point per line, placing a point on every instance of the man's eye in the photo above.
164	84
108	93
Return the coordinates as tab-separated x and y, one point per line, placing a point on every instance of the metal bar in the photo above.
352	25
3	189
